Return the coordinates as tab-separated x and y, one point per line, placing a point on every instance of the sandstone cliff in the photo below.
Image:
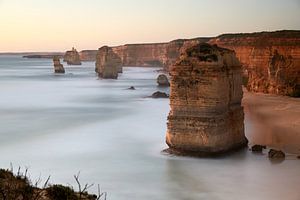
88	55
108	63
72	57
271	60
206	115
156	54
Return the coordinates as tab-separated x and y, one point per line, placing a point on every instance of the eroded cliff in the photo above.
206	115
271	60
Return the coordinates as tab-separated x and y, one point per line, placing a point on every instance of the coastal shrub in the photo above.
15	186
60	192
19	187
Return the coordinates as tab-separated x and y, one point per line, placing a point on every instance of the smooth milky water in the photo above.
60	124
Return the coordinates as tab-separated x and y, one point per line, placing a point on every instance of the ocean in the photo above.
59	125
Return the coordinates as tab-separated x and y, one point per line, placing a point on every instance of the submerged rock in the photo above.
72	57
258	148
276	154
108	64
58	67
159	94
162	80
131	88
206	116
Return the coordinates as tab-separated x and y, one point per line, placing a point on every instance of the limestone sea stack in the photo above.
162	80
72	57
108	63
206	116
58	67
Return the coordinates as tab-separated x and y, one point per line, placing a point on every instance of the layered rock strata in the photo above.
58	67
108	63
206	116
72	57
271	60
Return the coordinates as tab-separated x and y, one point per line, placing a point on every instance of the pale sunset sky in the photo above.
57	25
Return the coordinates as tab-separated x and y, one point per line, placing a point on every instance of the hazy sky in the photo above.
57	25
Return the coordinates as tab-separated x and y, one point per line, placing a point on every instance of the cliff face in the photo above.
271	61
88	55
158	55
141	54
206	116
108	63
72	57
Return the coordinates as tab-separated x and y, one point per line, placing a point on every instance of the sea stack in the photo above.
108	63
206	116
58	67
163	81
72	57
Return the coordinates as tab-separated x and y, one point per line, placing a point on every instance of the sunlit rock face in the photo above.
108	63
88	55
206	115
271	60
72	57
58	67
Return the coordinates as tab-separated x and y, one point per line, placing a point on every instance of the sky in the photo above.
58	25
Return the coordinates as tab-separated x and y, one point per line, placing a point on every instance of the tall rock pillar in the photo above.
206	116
108	63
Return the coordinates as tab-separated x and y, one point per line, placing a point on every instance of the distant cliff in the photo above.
88	55
271	60
155	54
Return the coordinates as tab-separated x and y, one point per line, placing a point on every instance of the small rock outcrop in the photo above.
258	148
159	94
131	88
108	63
72	57
58	67
206	116
162	80
274	154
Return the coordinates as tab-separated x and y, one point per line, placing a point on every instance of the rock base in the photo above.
204	154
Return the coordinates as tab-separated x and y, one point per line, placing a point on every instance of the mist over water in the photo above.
60	124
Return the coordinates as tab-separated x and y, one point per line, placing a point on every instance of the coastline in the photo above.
272	121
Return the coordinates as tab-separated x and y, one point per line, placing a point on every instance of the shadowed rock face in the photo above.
162	80
108	63
206	115
72	57
58	67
